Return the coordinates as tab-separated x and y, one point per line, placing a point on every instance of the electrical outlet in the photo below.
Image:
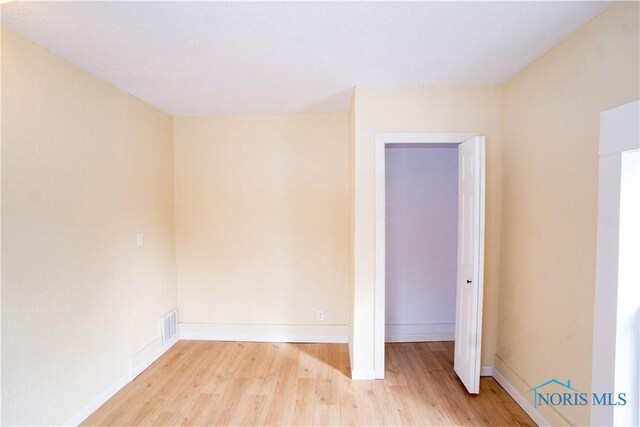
320	315
140	239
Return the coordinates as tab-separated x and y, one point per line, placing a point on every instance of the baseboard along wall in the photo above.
486	371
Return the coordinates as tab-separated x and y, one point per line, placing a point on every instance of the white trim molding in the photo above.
212	336
139	368
362	375
100	400
619	135
299	333
486	371
91	407
426	337
422	138
419	332
381	140
519	398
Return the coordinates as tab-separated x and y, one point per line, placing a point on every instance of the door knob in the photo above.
468	281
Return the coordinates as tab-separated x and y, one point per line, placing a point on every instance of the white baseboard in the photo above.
520	399
421	337
138	369
486	371
118	385
209	336
98	401
396	329
363	375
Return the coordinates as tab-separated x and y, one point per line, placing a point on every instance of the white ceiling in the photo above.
200	58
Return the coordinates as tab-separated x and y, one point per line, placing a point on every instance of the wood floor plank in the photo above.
201	383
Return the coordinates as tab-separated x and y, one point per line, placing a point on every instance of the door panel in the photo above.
468	334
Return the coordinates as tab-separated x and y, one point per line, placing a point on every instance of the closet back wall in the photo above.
421	241
262	226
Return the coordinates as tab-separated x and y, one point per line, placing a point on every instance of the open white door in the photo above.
470	262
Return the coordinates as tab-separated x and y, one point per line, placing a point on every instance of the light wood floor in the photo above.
231	383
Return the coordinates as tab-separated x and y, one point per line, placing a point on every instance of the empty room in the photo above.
322	213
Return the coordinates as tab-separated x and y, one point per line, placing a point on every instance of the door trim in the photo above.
619	133
381	140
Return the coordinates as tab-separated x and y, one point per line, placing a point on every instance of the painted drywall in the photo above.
549	199
421	193
262	225
85	167
420	109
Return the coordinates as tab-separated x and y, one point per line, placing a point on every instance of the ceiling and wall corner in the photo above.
213	58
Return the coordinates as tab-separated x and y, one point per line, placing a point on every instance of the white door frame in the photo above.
383	139
619	133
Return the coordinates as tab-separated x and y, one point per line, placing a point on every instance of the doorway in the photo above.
616	319
469	218
421	196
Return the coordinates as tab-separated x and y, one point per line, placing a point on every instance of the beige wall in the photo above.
85	167
262	225
550	186
274	218
453	109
